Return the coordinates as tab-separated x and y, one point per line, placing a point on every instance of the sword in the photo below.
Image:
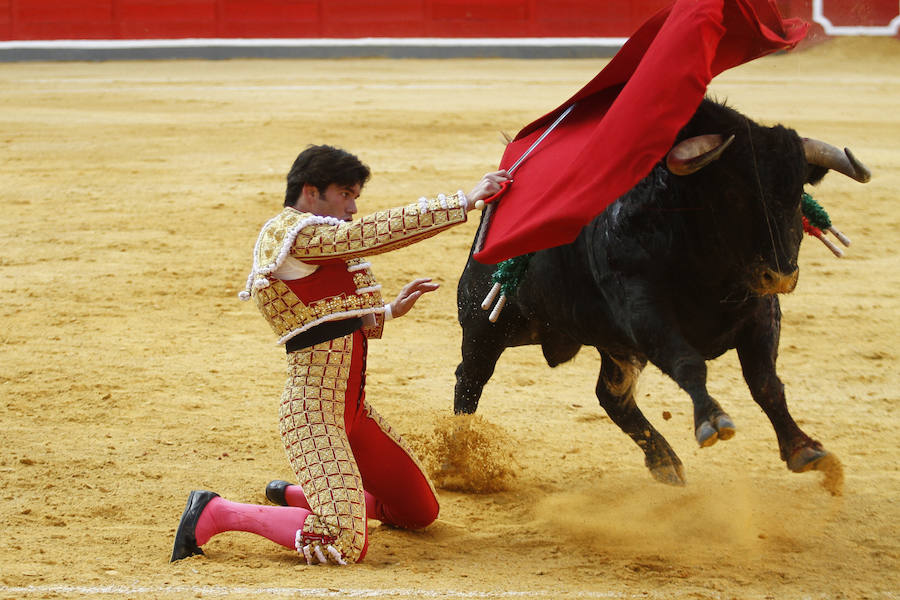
489	204
540	139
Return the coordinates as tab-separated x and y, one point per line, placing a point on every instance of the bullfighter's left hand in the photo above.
410	293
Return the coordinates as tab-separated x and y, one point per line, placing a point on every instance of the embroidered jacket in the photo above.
339	283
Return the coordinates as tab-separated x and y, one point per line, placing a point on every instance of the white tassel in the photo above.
244	296
335	554
368	289
249	281
358	267
462	201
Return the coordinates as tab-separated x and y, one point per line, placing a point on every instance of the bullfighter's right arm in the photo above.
324	238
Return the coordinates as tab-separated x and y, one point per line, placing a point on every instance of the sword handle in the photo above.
488	205
496	196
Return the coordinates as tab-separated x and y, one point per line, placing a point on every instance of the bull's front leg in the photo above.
711	422
482	344
757	350
479	357
482	341
673	355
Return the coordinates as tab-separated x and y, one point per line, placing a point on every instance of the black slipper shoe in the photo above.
275	491
185	538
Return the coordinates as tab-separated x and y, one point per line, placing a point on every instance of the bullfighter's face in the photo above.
338	201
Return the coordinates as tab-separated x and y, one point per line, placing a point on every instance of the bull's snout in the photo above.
768	281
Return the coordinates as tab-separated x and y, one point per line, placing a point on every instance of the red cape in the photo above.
625	121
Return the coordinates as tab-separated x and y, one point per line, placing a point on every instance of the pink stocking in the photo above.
277	523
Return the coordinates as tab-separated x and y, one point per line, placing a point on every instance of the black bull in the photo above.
684	267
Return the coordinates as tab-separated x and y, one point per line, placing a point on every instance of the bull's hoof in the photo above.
706	435
725	427
818	459
805	459
720	427
663	464
669	474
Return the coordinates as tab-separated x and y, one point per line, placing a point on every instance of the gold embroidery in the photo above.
286	313
317	447
382	231
364	279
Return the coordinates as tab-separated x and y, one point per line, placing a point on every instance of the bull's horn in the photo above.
826	155
692	154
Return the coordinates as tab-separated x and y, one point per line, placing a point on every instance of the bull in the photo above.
682	268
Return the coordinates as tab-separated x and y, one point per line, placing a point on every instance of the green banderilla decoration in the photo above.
814	212
817	221
507	277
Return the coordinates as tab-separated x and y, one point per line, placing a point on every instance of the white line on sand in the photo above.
245	591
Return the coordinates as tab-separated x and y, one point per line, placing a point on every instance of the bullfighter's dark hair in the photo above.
321	166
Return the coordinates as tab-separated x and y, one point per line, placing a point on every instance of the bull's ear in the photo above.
692	154
815	173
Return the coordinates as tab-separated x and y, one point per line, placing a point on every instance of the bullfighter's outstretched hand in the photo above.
411	292
489	185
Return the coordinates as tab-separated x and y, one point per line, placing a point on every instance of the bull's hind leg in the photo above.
615	391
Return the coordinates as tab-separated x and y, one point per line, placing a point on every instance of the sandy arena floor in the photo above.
131	374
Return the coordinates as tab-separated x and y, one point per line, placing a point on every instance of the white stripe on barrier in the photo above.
819	17
308	42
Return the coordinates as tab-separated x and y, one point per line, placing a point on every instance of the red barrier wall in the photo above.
148	19
168	19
